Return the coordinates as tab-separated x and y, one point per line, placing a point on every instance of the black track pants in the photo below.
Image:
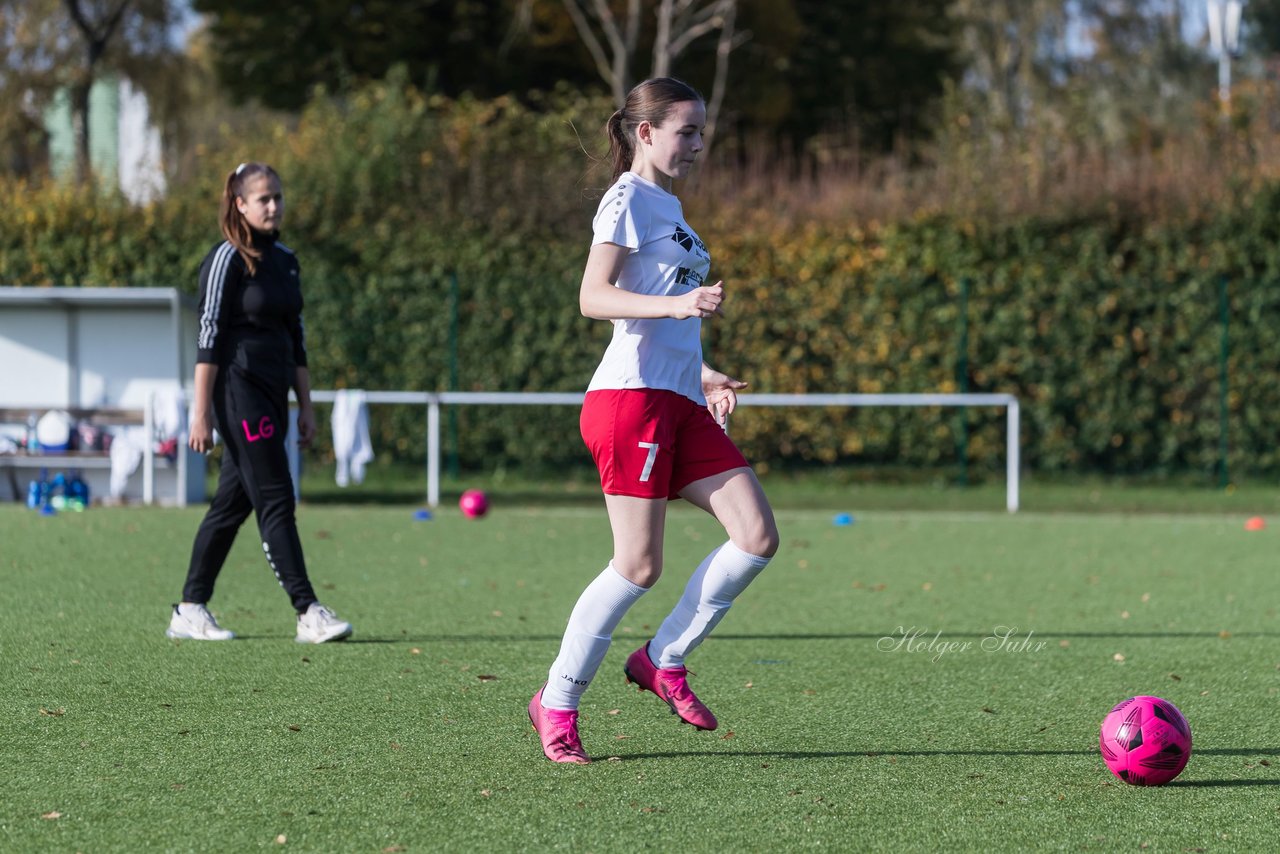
252	420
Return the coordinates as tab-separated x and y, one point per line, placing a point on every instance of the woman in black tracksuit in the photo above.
250	353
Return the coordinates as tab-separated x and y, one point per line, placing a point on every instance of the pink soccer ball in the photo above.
473	503
1145	741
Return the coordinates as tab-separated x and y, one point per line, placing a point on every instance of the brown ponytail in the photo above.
238	232
650	101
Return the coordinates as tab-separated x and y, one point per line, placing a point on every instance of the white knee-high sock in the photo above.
586	639
717	581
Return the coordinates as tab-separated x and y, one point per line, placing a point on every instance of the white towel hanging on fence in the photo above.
351	443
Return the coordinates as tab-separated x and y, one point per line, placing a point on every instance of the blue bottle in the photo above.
58	492
77	491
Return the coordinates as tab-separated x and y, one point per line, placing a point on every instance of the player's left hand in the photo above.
721	392
306	426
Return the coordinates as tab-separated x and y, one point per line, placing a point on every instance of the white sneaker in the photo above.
194	622
319	624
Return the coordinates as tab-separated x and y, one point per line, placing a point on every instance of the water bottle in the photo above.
58	492
33	494
77	491
33	438
44	488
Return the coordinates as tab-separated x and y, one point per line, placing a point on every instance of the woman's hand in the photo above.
200	435
721	392
200	431
700	302
306	425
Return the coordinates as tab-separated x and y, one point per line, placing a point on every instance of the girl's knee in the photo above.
762	539
644	571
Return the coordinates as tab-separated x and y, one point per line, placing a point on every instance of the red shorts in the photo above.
652	443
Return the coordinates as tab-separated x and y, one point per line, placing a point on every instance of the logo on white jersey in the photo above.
687	241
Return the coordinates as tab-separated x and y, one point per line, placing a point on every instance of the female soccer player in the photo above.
653	420
250	353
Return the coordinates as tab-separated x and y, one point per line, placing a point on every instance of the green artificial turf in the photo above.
912	681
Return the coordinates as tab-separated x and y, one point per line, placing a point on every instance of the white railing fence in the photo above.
433	401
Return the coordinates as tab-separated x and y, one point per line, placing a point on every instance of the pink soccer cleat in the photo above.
558	730
672	686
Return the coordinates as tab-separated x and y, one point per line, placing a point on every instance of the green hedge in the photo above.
1107	328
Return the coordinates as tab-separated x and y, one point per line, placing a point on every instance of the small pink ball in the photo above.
473	503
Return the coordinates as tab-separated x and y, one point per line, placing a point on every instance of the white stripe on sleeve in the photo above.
213	296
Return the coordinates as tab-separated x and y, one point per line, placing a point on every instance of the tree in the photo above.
52	44
863	67
96	26
277	53
33	43
1113	65
613	39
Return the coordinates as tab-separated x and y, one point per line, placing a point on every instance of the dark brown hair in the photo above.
650	101
234	227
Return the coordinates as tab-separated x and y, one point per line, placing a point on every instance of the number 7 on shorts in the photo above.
648	463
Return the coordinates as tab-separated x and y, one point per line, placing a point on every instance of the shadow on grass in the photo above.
920	644
873	754
1017	635
1191	784
921	641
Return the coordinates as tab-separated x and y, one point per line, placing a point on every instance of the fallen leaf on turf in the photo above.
1224	634
749	685
52	713
415	651
322	535
1265	763
281	839
484	793
497	613
1124	615
395	745
728	734
177	787
1064	643
1118	657
1175	677
487	677
394	849
295	728
50	816
614	759
306	660
1204	693
988	710
620	737
614	711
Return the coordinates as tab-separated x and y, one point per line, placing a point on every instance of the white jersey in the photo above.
666	259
